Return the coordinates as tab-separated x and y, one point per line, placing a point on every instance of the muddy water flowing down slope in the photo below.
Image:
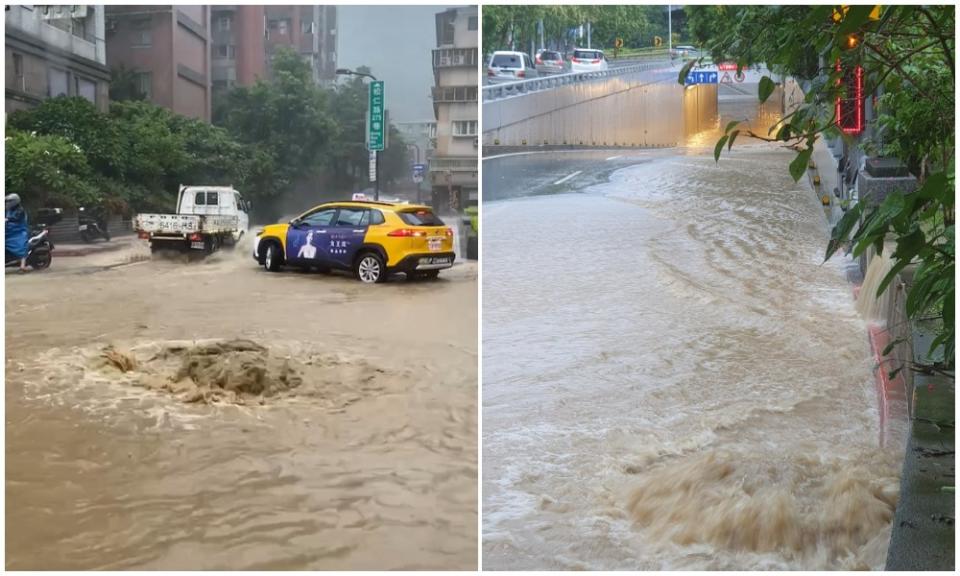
210	415
672	380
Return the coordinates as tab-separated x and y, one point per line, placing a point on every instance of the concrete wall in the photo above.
618	111
28	20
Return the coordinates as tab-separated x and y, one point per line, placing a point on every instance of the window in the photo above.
506	61
420	218
464	127
58	82
283	27
306	27
204	198
445	28
86	89
145	84
376	217
320	218
352	217
142	36
223	23
18	70
472	23
587	54
222	51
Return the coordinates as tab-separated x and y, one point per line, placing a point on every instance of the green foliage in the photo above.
46	170
515	26
285	124
909	53
124	85
269	138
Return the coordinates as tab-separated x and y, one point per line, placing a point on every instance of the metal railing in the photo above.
499	91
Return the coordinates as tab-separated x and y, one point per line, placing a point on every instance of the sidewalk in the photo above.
72	249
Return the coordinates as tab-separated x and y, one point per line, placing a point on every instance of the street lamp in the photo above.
376	183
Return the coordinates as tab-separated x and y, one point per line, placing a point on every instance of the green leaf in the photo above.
767	86
897	268
889	348
682	77
842	229
719	148
730	126
799	164
893	373
854	19
733	136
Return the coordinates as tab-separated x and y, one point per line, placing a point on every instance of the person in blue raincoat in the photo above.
16	230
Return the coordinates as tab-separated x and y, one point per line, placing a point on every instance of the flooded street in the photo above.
672	380
351	444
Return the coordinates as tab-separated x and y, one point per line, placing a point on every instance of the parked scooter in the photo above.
39	246
92	226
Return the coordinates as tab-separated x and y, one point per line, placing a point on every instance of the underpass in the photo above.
672	377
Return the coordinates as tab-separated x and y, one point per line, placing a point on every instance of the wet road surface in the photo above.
371	462
672	380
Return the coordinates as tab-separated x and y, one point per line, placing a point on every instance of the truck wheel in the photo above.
271	258
369	268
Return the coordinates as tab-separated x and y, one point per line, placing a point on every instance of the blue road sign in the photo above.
701	77
419	169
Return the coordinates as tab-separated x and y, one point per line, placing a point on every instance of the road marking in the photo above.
520	154
613	158
565	178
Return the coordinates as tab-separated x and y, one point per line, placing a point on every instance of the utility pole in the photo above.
542	47
670	30
588	34
376	154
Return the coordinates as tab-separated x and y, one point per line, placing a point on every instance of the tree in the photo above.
125	85
285	125
908	53
46	170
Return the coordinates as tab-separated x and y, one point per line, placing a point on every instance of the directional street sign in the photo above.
702	77
375	120
418	171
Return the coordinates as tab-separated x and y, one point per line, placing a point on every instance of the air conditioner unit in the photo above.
459	59
444	60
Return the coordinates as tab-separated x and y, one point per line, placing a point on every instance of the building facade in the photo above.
168	48
246	37
456	61
53	51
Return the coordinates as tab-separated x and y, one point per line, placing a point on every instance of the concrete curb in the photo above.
74	250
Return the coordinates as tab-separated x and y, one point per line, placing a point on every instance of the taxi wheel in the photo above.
369	268
271	258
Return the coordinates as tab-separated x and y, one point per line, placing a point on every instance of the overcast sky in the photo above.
395	42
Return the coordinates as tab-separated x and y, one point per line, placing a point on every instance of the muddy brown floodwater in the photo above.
209	415
689	386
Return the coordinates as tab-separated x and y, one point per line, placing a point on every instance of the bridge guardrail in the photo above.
503	90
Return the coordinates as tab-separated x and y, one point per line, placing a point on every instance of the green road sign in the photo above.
375	120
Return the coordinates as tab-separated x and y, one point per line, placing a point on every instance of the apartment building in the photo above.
53	51
246	37
456	60
168	48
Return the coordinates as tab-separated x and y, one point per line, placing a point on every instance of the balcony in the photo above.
453	164
454	94
455	58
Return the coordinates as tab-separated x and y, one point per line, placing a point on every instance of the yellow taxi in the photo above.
371	239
